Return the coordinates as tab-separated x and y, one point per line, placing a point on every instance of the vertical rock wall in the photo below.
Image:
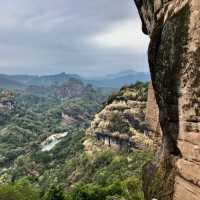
174	59
152	114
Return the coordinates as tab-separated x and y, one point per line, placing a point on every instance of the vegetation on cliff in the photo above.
121	122
66	171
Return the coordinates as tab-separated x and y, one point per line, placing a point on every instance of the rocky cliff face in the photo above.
73	88
121	123
6	101
152	117
174	59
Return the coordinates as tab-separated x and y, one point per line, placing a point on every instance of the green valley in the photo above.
43	150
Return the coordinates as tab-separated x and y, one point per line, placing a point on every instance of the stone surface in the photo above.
184	190
184	169
6	101
152	115
189	151
174	60
121	123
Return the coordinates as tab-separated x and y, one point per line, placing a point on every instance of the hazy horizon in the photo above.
83	76
86	38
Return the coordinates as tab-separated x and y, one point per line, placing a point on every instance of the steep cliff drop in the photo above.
174	59
121	125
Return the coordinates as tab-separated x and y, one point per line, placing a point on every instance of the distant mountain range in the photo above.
119	79
7	82
47	80
109	81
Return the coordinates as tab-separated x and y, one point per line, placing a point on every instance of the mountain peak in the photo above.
127	72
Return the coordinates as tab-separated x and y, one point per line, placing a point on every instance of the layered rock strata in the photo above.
152	117
121	123
174	59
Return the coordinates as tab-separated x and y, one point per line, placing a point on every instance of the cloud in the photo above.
86	37
124	34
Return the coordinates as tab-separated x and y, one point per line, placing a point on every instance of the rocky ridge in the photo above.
73	88
174	58
121	123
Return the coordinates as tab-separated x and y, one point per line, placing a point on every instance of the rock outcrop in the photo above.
152	117
6	101
174	59
73	88
121	123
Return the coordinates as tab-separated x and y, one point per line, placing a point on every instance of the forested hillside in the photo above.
29	118
44	149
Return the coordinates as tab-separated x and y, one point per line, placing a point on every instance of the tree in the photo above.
21	190
54	193
26	190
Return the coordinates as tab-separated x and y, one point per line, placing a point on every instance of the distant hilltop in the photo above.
115	80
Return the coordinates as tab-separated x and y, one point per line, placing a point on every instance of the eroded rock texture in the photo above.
121	123
152	117
174	59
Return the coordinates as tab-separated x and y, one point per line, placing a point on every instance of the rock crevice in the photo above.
174	60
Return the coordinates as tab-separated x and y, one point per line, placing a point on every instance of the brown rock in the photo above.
185	190
184	169
152	112
189	150
174	59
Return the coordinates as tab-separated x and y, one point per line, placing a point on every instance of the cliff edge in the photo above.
121	124
174	60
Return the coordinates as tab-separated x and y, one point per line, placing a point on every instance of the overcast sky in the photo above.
87	37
